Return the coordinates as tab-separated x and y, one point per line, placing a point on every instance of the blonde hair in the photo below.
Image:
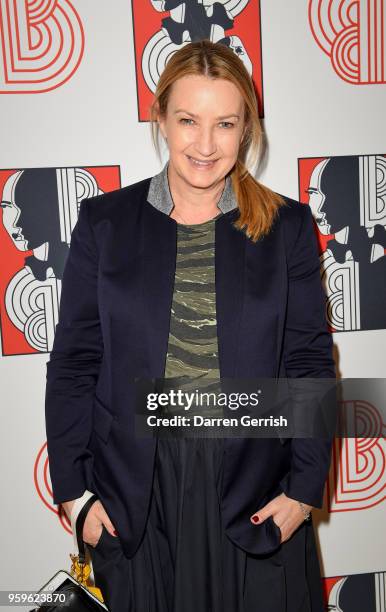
257	204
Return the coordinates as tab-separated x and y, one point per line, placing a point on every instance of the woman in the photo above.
202	272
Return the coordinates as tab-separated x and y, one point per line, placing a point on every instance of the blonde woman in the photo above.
199	272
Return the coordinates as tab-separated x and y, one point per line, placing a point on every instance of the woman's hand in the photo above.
95	518
286	513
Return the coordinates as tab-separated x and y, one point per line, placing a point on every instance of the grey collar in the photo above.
159	193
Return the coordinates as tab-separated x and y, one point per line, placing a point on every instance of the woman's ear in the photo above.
160	122
161	127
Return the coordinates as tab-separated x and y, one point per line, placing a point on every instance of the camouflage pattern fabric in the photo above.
192	355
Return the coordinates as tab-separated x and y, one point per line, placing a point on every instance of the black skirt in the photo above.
186	563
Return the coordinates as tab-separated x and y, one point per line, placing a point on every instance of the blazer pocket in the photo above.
102	419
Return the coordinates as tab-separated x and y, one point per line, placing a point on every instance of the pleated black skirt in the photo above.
185	561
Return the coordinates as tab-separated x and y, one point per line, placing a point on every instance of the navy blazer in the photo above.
113	326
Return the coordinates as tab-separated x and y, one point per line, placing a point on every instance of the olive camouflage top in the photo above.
192	344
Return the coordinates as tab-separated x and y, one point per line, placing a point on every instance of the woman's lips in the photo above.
201	165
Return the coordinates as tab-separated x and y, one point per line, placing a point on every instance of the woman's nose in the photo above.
205	142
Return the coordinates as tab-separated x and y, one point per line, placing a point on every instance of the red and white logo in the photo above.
41	47
161	27
357	478
347	196
39	210
356	592
352	33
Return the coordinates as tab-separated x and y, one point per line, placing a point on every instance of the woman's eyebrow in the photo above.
181	110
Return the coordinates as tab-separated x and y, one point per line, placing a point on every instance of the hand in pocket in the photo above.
96	518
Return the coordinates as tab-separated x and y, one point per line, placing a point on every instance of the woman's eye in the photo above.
227	123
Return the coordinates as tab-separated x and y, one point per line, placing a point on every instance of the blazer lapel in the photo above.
160	244
229	267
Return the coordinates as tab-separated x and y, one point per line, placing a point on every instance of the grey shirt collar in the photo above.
160	197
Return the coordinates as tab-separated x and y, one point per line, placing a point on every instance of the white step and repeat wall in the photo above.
76	80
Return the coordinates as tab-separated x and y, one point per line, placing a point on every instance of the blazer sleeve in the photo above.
307	352
73	366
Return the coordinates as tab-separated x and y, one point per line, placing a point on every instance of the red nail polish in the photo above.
114	532
255	518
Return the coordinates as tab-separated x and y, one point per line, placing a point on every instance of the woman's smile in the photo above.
201	165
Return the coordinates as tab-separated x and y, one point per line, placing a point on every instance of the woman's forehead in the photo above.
218	95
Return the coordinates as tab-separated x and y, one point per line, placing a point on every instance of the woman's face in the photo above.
204	122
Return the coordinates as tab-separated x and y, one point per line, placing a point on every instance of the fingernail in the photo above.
255	518
114	532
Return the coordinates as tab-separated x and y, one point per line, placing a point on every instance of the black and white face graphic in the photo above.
39	211
333	193
11	213
358	592
347	196
30	215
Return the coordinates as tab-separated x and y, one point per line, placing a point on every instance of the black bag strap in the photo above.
79	527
